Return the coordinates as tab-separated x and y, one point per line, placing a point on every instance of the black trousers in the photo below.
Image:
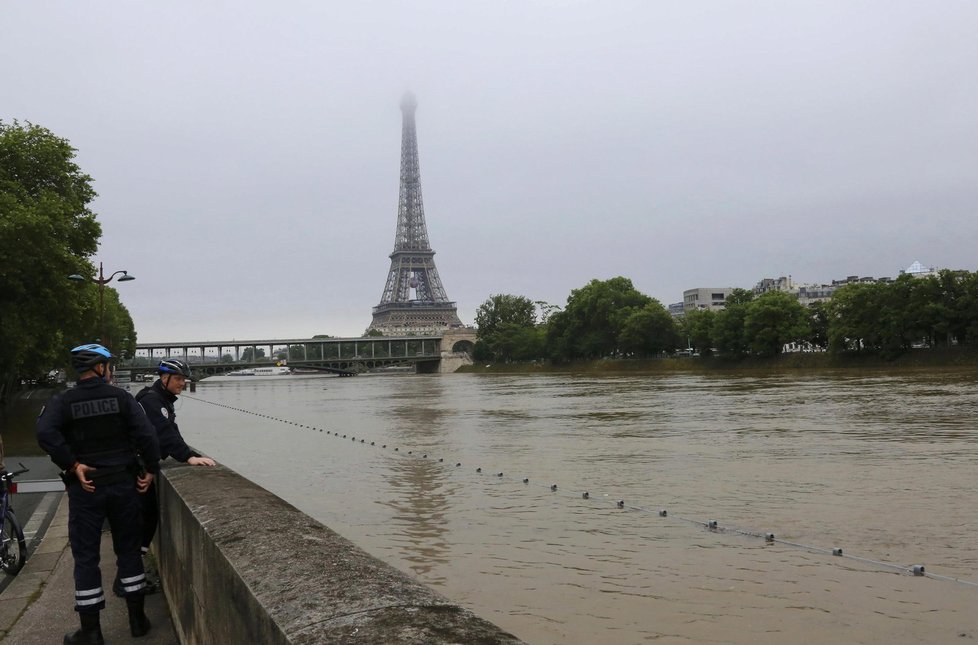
118	503
151	515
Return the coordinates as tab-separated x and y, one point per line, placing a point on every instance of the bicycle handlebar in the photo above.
23	469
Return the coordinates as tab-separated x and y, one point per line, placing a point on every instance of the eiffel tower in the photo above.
414	301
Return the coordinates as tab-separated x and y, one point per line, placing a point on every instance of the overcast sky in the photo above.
246	153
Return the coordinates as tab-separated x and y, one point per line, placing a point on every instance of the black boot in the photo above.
138	622
90	632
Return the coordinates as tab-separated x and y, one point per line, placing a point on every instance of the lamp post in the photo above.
101	281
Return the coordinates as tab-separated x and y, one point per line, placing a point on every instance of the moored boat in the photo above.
277	370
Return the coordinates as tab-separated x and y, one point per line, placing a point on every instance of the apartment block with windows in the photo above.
714	298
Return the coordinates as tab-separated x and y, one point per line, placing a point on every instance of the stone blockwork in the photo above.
240	565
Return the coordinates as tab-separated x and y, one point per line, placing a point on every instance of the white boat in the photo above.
277	370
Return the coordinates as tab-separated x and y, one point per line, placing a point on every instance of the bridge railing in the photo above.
362	349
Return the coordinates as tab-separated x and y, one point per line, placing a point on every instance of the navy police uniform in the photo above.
102	426
157	401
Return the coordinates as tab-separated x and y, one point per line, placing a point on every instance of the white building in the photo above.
713	298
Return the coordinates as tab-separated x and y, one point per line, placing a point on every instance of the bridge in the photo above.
426	354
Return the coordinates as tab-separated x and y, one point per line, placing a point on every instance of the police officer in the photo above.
157	400
90	431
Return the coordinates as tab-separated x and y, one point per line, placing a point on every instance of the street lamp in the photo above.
101	281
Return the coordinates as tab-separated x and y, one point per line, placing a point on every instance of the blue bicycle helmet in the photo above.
174	366
85	357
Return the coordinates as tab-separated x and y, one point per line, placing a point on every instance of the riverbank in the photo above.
952	358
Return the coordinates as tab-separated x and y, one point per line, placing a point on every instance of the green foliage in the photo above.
889	319
591	323
252	354
819	324
298	352
727	331
648	331
697	330
47	232
502	310
772	320
612	319
515	343
507	330
546	310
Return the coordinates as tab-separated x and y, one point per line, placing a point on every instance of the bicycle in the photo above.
13	545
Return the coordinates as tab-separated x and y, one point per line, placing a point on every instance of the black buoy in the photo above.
478	470
553	486
586	495
526	480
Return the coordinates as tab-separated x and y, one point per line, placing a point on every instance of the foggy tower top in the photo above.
414	300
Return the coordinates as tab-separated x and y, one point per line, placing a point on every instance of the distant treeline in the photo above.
611	319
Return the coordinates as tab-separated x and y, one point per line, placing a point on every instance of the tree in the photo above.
47	232
546	310
113	327
697	329
728	324
501	310
591	323
507	329
648	331
965	314
849	324
515	343
819	324
252	354
772	320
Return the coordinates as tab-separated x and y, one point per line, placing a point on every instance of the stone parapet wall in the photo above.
240	565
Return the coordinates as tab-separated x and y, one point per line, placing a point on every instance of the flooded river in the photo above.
883	466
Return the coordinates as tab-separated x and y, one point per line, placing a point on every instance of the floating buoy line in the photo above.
710	525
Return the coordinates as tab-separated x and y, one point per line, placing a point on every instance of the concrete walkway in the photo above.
37	607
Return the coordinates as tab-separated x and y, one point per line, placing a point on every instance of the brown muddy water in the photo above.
880	465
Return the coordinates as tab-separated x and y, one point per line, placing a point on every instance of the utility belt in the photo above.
104	475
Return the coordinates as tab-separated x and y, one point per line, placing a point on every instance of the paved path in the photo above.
36	608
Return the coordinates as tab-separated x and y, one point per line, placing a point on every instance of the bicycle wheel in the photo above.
13	546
